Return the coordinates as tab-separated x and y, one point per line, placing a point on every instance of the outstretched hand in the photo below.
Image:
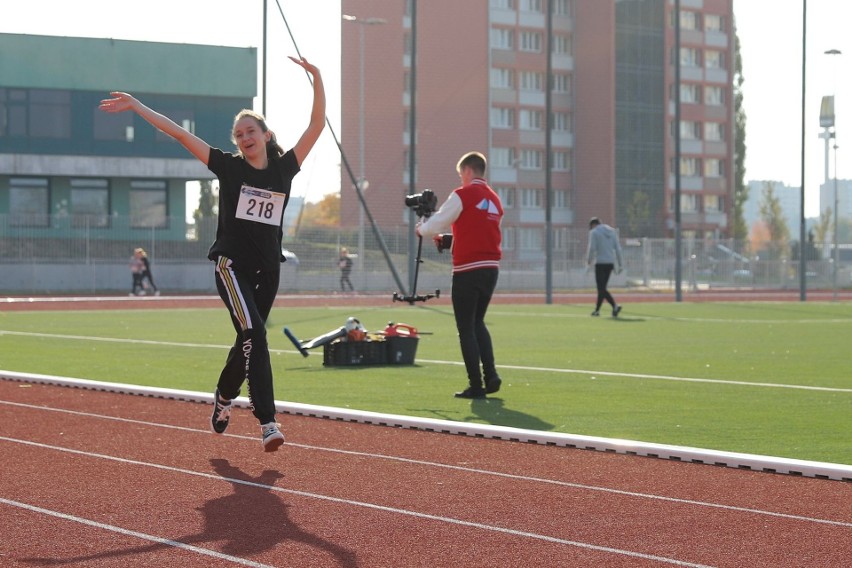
302	62
119	102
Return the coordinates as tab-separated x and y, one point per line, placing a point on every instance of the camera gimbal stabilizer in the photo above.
424	205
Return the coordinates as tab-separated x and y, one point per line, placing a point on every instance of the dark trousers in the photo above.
249	297
472	291
602	274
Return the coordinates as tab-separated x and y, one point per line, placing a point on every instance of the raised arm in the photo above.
122	102
317	123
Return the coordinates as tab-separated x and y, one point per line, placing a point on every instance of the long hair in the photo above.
273	149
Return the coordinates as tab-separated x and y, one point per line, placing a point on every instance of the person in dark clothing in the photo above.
145	273
254	188
345	265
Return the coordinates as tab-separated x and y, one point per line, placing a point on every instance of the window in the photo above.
689	57
560	199
714	204
714	131
530	41
502	158
531	159
508	240
113	126
506	195
502	38
502	118
562	44
502	4
35	113
148	204
531	198
183	117
89	203
531	6
530	238
688	202
688	20
714	59
13	112
531	119
690	93
532	81
502	78
713	96
689	167
561	161
690	130
561	83
713	23
29	202
561	7
561	122
713	167
406	82
50	114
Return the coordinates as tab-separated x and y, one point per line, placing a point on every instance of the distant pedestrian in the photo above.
605	253
146	273
345	265
136	268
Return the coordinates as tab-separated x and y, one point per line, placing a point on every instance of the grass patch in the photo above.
763	378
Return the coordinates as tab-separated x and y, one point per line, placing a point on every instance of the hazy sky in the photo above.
770	32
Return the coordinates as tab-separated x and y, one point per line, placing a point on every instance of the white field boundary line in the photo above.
135	534
441	362
486	472
353	503
770	464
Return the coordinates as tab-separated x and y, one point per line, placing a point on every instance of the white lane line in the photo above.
366	505
135	534
455	363
458	468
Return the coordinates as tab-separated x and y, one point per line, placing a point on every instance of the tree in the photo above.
207	202
823	228
740	229
773	218
638	213
325	213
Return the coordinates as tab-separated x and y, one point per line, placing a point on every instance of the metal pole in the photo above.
803	261
412	137
678	246
263	107
361	161
836	215
548	190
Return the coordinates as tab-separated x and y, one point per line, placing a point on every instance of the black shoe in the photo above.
615	311
221	414
492	385
596	313
471	392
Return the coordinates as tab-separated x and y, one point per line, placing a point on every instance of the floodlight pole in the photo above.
836	252
803	262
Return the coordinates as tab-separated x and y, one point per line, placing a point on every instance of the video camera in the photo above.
424	204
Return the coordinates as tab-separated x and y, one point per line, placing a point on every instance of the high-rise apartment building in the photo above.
481	83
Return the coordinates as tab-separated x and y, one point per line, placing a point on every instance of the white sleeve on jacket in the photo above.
443	218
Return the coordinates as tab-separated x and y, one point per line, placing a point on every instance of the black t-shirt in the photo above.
250	244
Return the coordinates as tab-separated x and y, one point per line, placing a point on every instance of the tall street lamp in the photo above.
363	184
835	256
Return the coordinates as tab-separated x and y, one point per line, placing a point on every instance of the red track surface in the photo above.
98	479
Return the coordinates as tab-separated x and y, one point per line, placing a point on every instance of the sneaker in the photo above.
615	311
272	437
492	385
471	392
221	414
596	313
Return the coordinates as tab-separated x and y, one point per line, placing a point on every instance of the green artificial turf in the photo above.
761	378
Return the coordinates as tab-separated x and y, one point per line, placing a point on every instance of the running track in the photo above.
94	478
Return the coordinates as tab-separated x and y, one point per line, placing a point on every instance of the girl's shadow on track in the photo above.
248	522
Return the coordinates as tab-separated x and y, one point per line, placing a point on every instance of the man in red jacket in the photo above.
474	213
